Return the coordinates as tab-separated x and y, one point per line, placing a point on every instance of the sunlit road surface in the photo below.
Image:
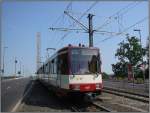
137	88
12	90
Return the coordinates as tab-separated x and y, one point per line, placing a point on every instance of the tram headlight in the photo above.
97	85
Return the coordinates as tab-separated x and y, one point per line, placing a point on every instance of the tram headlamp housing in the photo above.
97	86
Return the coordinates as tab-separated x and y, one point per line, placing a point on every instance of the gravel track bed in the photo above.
118	103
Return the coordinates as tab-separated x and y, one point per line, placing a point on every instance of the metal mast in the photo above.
0	55
90	30
38	49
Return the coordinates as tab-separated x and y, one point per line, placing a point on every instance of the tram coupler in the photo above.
90	97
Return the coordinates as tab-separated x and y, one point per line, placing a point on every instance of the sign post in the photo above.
130	72
143	70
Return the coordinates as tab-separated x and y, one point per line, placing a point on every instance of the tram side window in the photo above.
49	67
46	68
55	66
52	66
63	64
42	69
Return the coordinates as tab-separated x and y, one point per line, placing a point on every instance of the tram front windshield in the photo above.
85	61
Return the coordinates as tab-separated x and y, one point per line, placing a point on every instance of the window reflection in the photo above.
85	61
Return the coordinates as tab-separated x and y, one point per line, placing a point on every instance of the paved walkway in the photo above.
136	88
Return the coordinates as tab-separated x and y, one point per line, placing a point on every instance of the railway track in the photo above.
117	107
103	108
75	109
93	107
134	96
124	91
88	106
98	105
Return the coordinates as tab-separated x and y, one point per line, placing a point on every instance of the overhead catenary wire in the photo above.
83	26
138	22
64	29
88	9
118	13
129	9
73	25
62	15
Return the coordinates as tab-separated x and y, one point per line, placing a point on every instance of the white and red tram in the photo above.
73	70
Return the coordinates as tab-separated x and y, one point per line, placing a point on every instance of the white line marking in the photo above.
20	100
16	106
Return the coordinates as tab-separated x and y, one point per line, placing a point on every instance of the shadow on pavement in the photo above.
40	96
27	87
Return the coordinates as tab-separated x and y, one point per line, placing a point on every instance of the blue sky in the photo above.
22	20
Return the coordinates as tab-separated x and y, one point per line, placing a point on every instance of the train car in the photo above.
73	70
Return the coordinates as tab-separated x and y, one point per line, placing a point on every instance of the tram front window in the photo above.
85	61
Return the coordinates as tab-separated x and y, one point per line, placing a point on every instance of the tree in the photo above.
119	69
105	75
128	52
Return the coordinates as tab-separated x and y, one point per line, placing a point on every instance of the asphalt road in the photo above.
12	90
40	99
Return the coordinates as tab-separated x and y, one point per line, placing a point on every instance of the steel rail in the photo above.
102	107
123	91
91	104
139	98
75	109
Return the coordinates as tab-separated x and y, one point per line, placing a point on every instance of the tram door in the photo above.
58	73
62	70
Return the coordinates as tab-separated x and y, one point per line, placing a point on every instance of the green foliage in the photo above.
138	73
119	69
128	52
105	75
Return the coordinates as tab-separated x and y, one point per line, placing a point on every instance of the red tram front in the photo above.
73	70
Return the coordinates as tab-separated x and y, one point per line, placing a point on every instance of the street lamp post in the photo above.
23	70
139	31
15	65
3	70
20	68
